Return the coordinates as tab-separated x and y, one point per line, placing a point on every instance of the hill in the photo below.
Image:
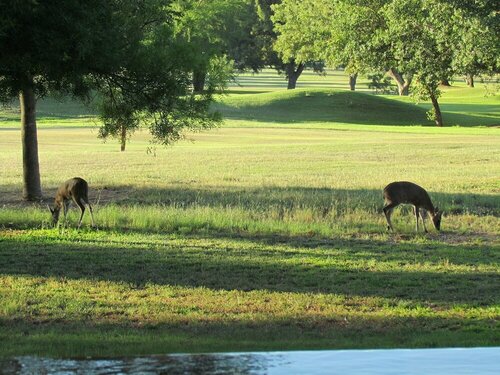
320	105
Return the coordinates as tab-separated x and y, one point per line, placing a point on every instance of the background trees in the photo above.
476	46
217	29
337	32
421	41
266	34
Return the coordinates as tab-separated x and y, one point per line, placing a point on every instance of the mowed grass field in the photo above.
264	234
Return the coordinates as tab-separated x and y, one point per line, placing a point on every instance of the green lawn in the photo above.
265	234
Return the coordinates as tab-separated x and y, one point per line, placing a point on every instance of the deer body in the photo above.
76	190
400	192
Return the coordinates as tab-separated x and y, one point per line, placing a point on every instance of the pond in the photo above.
456	361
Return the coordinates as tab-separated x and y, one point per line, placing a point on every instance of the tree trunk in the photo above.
123	138
32	188
438	118
445	82
403	86
293	74
199	77
352	81
470	80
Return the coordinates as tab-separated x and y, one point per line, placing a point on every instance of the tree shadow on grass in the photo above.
284	199
250	266
276	204
323	201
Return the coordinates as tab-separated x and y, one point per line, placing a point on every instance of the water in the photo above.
477	361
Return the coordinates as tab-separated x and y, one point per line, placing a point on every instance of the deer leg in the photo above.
388	212
423	214
66	204
91	214
417	213
82	209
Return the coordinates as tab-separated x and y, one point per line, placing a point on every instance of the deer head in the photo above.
55	214
436	218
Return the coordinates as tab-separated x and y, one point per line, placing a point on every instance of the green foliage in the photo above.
426	40
50	45
154	89
266	35
476	49
380	83
219	28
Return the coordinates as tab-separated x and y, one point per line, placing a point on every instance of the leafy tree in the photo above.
340	32
216	28
154	89
76	47
424	41
418	46
294	47
432	38
476	46
266	38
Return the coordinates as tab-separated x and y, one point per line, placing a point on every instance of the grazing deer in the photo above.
75	189
400	192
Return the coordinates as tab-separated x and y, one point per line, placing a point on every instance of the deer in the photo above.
75	189
400	192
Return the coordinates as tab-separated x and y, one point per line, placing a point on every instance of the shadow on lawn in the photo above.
286	199
338	267
266	202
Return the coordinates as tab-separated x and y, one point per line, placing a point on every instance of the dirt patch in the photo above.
461	238
449	238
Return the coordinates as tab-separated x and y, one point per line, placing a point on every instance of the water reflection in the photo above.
484	361
169	364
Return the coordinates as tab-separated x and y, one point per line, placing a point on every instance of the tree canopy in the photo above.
124	50
424	41
217	29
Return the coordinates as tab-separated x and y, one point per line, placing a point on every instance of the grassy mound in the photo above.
322	105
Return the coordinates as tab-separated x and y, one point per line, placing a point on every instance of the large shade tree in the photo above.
431	38
82	47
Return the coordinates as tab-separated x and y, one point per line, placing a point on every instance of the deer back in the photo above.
75	187
407	192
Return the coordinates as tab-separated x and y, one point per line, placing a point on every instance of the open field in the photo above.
264	234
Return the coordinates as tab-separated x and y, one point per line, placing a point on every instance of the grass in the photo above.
265	234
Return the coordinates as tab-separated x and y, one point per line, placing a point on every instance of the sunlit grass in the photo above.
265	234
253	292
